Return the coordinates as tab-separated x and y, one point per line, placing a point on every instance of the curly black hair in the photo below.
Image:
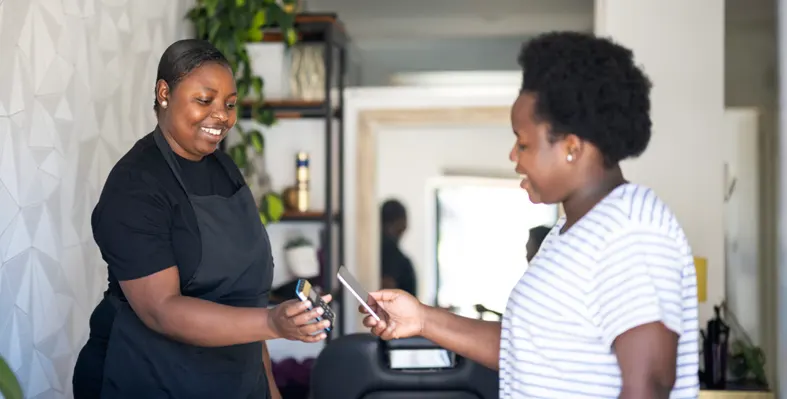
589	86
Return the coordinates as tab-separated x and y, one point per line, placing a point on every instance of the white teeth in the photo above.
214	132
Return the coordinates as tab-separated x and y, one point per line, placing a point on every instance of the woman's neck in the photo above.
586	197
176	148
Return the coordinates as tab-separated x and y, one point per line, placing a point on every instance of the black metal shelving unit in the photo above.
326	30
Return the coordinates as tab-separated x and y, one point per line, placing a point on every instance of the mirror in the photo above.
481	230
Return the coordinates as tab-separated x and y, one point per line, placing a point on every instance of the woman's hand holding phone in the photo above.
401	314
293	320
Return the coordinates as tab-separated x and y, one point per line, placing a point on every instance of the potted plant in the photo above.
9	384
301	257
230	25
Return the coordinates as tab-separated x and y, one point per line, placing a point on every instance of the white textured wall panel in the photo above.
76	91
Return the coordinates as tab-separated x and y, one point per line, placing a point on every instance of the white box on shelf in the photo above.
271	61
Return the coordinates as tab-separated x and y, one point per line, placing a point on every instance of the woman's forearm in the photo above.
477	340
203	323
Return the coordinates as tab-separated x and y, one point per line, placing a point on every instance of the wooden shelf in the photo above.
291	109
311	28
308	216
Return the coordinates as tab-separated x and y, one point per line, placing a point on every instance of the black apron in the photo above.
237	270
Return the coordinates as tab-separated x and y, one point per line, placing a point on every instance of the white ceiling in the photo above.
413	19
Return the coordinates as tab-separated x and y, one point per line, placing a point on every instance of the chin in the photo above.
534	198
207	148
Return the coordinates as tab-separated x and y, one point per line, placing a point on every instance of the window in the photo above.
482	228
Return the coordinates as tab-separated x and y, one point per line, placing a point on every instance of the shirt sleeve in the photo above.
132	227
638	281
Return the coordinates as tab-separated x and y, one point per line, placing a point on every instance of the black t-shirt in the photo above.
143	222
396	265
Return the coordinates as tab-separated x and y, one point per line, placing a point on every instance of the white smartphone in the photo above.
349	282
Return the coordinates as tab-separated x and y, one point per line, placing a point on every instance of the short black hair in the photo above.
538	234
392	211
591	87
182	57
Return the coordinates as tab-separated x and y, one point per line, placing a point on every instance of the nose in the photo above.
221	115
512	155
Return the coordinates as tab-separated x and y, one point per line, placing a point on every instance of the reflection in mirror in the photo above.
482	230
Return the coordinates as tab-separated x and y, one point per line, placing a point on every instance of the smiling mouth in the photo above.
212	131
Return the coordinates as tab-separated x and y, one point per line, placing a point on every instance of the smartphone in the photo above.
305	292
349	282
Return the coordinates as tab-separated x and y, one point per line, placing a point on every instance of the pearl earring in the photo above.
164	104
569	157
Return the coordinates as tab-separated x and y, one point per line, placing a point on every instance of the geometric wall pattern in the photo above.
76	91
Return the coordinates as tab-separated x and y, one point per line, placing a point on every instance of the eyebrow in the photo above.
212	90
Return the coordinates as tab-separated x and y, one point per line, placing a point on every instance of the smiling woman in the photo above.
190	266
198	114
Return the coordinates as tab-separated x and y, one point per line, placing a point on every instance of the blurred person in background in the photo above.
397	269
534	241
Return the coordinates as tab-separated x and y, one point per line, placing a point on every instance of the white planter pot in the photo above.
271	62
302	261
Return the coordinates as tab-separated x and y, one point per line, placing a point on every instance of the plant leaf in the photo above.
9	384
275	206
214	30
257	141
240	3
271	207
238	155
254	35
265	117
257	85
211	6
291	36
243	88
259	19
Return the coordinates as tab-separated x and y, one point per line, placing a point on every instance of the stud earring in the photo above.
570	157
164	104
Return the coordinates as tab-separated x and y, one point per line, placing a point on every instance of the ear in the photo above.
572	147
162	91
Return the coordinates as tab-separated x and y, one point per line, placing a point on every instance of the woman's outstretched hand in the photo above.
293	320
401	314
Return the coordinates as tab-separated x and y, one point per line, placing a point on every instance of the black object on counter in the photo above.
715	342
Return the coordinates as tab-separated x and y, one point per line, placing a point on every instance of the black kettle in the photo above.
715	342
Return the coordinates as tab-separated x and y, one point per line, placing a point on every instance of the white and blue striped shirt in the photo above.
624	264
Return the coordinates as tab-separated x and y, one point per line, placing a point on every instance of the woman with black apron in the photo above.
190	265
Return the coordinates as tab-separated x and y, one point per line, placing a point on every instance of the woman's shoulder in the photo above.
635	209
141	168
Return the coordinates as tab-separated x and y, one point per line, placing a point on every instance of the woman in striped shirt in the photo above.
608	306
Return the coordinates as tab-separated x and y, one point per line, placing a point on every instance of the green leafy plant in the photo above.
230	25
9	384
271	208
298	242
747	362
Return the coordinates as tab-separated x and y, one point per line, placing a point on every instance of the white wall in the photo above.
382	58
76	92
741	220
409	157
681	47
751	81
